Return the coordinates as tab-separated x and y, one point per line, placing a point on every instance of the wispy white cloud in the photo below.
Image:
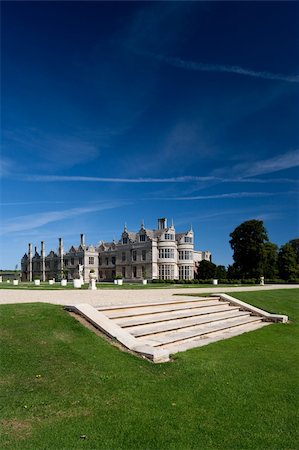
203	67
261	180
280	162
64	151
181	179
6	166
54	178
41	202
230	195
32	221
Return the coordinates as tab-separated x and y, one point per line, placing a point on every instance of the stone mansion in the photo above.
147	254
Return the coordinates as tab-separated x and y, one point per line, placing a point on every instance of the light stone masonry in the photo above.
147	254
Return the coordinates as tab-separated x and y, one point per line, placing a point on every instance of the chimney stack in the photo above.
42	251
82	240
60	253
30	262
162	223
60	246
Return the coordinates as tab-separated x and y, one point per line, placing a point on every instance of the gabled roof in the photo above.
51	254
73	249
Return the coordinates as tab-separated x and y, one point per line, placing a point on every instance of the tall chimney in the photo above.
162	223
82	240
60	253
60	246
43	255
30	262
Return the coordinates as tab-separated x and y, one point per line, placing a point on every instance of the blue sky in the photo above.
123	112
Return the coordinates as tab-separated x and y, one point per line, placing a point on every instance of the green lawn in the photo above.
60	381
57	286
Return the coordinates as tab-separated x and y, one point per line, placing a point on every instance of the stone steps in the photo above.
172	315
131	312
169	325
158	329
178	335
201	341
156	303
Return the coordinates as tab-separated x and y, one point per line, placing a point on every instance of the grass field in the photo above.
60	382
57	286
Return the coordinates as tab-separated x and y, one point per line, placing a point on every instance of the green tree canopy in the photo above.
221	273
287	262
270	259
206	270
247	242
295	244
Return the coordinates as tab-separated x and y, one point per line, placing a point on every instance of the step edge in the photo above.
157	344
161	302
157	320
178	327
131	314
247	307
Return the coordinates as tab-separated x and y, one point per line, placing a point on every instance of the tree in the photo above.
247	242
295	244
287	262
233	272
206	270
221	273
270	260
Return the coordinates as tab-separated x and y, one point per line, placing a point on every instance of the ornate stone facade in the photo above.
146	254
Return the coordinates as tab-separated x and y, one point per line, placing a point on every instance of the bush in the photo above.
234	281
250	281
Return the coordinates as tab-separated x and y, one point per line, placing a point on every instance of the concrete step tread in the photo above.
173	336
172	315
158	302
201	341
160	308
149	329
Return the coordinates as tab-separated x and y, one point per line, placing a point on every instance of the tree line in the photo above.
255	256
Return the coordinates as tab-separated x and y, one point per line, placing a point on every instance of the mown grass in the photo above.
57	286
60	381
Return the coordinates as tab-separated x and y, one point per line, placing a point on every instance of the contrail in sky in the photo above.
204	67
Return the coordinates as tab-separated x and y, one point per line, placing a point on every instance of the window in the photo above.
166	272
91	260
169	237
143	255
123	256
72	261
188	239
107	261
81	261
185	254
134	255
66	261
142	238
134	271
123	272
100	274
166	253
186	272
100	261
113	259
125	240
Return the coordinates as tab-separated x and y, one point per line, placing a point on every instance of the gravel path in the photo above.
115	296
